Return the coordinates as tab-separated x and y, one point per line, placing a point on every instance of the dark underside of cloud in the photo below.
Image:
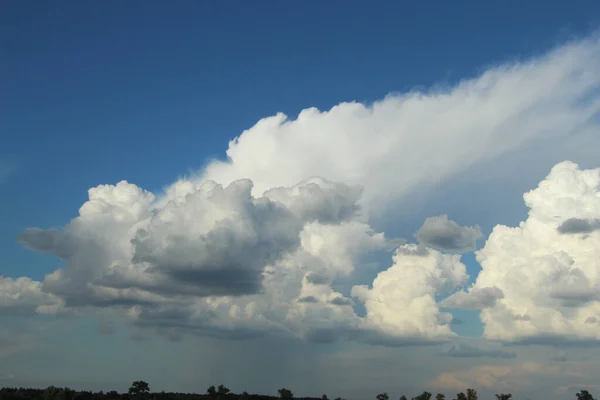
446	235
317	279
579	225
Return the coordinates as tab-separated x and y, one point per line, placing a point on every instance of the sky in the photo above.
331	197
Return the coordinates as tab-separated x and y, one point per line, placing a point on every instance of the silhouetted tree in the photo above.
83	396
211	391
139	388
423	396
285	394
55	393
222	392
584	395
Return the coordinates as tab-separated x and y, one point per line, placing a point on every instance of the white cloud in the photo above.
214	241
446	235
415	140
257	243
221	262
339	245
216	261
23	296
550	280
402	298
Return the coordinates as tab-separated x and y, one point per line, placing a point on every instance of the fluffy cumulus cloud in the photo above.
444	234
403	296
23	296
218	261
267	241
540	281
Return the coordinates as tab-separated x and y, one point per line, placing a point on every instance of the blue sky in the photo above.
152	92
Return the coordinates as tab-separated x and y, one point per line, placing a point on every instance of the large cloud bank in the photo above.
259	243
219	261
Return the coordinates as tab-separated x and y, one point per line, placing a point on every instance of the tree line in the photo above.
140	390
